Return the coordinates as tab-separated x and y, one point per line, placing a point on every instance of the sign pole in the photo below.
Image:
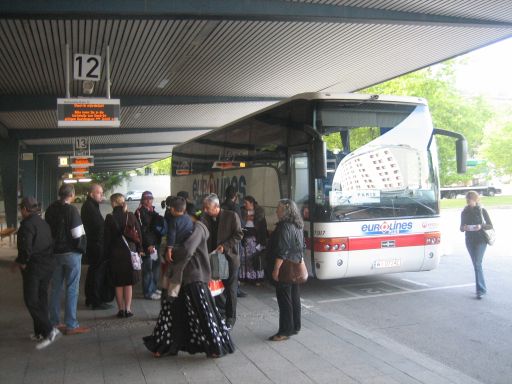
108	72
68	94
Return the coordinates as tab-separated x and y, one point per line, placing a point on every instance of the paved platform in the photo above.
329	349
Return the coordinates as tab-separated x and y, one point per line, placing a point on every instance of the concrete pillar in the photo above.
28	179
9	155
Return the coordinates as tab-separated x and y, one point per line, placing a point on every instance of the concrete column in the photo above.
28	177
9	155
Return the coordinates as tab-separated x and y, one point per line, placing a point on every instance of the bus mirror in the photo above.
320	159
461	146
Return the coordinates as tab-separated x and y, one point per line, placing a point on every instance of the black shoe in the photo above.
101	306
241	293
128	313
121	314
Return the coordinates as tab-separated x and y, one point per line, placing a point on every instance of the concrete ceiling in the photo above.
182	68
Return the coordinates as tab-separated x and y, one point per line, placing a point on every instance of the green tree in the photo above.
161	167
449	109
109	180
498	141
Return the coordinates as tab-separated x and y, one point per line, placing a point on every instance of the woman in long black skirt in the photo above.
191	322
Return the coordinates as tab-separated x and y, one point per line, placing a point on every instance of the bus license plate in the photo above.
387	263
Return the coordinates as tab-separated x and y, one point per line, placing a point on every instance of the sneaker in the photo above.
241	293
77	330
35	337
54	335
159	291
154	296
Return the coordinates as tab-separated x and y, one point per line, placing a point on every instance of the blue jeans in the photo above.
68	267
476	251
150	276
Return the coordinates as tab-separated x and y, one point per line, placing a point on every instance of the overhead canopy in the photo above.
181	68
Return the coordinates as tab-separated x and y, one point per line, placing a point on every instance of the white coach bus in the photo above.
370	203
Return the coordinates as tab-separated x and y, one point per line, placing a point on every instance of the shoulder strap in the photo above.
482	215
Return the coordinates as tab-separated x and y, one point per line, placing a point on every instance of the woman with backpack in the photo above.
121	237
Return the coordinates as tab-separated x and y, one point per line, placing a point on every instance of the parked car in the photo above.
133	195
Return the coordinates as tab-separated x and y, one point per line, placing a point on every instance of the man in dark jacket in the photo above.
93	225
36	262
149	218
225	235
69	245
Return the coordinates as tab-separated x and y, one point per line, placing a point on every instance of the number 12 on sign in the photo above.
86	67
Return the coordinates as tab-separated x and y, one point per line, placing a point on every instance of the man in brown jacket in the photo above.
225	235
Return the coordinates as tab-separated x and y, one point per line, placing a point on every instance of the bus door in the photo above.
299	187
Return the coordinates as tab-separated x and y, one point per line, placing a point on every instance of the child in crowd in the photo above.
180	227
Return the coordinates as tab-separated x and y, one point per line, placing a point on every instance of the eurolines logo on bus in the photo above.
386	228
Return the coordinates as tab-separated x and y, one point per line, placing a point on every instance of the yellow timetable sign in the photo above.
93	112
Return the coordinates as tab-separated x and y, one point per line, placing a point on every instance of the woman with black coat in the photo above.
119	252
286	244
474	219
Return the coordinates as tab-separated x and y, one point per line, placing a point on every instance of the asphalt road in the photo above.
435	312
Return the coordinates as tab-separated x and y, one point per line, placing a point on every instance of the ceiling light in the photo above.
163	83
70	181
85	180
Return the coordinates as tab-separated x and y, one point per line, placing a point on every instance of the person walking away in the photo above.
118	252
472	224
231	204
191	208
94	227
225	235
231	201
180	227
150	242
69	244
191	322
283	246
36	263
254	241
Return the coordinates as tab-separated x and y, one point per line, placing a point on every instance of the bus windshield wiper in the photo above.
406	194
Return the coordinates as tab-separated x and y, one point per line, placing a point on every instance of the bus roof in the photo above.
324	96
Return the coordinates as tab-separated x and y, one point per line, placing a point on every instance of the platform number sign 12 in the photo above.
86	67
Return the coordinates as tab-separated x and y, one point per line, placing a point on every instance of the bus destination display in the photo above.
94	112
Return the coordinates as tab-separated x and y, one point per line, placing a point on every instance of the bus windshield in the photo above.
389	174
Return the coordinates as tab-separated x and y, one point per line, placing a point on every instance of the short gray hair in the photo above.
212	199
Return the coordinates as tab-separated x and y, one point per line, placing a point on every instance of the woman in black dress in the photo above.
191	322
118	252
254	241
